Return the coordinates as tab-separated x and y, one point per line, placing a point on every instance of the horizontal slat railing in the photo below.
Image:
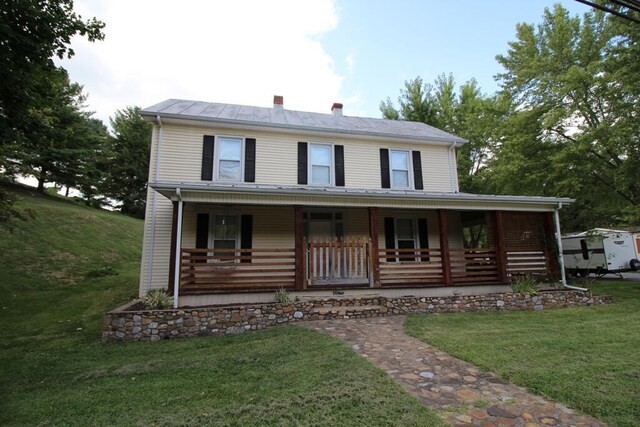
211	269
413	267
338	260
473	265
526	261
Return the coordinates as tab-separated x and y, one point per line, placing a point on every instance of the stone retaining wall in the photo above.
124	324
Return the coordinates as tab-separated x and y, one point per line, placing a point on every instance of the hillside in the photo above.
66	265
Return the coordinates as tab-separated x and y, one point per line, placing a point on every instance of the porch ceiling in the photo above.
258	194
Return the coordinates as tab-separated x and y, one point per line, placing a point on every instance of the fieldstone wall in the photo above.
124	324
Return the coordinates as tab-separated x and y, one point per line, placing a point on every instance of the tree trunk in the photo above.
66	192
43	174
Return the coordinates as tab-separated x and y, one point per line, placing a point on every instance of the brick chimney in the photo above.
336	109
278	101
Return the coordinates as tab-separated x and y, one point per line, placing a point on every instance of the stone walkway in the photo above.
459	391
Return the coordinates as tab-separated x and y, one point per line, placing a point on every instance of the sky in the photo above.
313	53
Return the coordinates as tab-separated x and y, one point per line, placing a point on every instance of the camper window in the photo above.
585	250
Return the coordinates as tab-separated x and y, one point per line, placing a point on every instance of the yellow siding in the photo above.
277	157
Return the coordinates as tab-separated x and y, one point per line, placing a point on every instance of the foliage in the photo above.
282	296
55	370
126	161
158	299
467	113
577	117
584	357
525	284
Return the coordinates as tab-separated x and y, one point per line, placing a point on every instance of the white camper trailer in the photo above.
600	251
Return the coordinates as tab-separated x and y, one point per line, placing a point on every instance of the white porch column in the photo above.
178	258
556	216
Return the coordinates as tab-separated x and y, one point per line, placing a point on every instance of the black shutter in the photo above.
207	157
384	168
389	236
339	162
246	235
202	233
250	160
302	163
423	236
417	170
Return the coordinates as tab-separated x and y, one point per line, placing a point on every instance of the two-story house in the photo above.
243	201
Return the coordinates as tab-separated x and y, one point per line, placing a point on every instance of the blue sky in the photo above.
313	52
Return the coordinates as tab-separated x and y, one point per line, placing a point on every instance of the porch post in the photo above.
444	246
550	247
178	255
563	274
373	235
298	230
501	250
172	254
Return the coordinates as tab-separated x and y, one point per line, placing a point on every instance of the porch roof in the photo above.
263	194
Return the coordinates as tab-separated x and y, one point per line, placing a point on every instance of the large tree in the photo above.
578	106
463	111
126	161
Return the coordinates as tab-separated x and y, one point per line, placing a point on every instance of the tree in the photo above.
570	75
465	112
127	161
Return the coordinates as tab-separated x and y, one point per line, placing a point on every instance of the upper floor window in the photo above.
320	164
228	162
400	169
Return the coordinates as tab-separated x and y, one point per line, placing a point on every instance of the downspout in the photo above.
154	205
178	251
453	176
563	275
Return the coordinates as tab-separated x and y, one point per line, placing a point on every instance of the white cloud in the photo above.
237	51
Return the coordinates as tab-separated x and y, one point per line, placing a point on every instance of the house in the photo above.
243	201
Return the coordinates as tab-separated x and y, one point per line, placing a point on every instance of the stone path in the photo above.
459	391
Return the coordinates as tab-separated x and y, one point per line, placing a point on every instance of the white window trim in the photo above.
212	222
332	170
216	158
410	171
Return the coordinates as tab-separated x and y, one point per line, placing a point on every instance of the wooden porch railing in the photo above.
399	267
526	261
474	265
210	269
336	261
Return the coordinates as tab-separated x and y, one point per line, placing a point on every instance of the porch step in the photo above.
333	296
342	311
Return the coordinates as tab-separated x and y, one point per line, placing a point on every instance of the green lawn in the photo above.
55	371
588	358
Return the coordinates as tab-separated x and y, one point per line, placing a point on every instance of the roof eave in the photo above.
152	115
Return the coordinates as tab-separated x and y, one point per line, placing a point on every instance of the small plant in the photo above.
282	296
158	299
525	284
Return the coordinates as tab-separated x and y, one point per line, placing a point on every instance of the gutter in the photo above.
563	273
154	206
178	252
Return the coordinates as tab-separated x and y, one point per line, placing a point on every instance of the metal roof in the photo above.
360	192
291	119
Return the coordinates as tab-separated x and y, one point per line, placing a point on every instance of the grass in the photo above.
55	371
587	358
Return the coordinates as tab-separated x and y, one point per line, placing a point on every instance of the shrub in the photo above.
158	299
282	296
524	284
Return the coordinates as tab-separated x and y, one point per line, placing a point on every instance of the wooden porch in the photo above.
351	264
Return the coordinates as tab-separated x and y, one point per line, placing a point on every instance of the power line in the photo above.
629	4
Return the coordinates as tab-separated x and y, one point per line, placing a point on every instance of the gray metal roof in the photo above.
291	119
356	192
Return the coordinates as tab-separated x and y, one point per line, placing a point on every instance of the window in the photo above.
225	232
584	248
323	225
321	164
400	169
229	159
405	237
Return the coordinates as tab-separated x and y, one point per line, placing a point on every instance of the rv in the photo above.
600	251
